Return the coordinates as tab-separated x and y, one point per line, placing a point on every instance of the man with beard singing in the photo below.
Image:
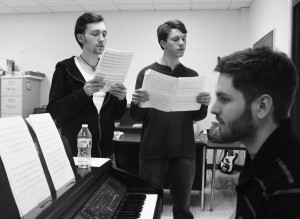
254	95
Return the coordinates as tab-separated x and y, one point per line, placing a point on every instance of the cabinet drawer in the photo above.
11	105
11	86
9	114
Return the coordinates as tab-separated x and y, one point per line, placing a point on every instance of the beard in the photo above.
238	129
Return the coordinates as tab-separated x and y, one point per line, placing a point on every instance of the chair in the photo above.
39	110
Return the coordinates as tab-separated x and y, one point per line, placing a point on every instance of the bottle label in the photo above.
83	142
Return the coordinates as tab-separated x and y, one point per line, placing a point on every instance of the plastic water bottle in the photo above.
84	146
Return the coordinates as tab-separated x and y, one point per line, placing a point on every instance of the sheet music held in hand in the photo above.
168	93
113	66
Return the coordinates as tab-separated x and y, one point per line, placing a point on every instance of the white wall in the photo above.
38	41
262	17
266	15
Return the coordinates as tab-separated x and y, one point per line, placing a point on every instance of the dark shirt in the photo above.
269	185
69	104
166	134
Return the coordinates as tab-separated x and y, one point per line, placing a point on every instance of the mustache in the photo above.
219	120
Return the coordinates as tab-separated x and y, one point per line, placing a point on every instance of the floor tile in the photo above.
224	200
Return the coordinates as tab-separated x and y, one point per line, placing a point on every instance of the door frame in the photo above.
296	59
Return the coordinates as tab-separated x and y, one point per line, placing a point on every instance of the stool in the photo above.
215	146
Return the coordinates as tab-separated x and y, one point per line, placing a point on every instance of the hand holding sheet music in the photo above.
113	66
168	93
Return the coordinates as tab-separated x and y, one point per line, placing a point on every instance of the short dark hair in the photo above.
82	22
164	29
263	71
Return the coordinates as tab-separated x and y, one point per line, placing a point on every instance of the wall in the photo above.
262	17
266	15
38	41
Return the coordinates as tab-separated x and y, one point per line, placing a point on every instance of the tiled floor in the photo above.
223	203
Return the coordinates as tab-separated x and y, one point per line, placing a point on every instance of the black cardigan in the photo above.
69	104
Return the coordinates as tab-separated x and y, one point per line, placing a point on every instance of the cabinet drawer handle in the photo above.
10	106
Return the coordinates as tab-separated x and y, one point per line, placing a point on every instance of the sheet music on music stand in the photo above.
113	66
22	165
53	150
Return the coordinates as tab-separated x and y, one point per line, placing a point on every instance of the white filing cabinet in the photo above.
19	95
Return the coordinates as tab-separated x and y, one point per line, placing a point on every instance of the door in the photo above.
295	112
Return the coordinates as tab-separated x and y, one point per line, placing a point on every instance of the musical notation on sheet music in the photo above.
113	66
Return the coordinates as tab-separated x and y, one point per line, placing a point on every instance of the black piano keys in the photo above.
132	206
104	193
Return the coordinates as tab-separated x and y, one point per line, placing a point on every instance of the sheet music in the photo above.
53	149
187	90
113	66
160	88
168	93
95	161
22	165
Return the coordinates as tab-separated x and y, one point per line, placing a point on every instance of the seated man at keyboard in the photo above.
254	95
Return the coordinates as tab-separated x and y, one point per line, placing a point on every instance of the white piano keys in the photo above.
149	206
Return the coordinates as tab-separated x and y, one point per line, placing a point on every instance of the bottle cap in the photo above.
84	125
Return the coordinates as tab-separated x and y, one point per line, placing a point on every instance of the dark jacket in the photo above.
71	107
166	134
269	185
